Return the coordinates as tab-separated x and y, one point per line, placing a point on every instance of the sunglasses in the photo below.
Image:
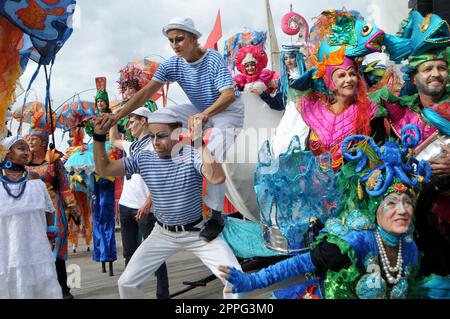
159	135
177	39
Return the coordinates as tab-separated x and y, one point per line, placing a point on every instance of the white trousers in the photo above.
160	245
225	127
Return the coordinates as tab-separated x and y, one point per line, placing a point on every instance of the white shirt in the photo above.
135	191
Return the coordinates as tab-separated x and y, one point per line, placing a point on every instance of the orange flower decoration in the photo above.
400	188
336	58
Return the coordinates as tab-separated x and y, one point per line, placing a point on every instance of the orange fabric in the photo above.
10	38
336	58
82	201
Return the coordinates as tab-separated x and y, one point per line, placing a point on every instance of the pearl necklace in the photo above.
385	261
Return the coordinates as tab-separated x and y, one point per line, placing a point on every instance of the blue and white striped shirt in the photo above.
175	184
202	80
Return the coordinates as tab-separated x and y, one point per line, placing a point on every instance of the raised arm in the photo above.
103	165
211	168
114	138
139	99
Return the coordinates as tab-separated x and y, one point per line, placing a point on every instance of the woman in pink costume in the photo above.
346	111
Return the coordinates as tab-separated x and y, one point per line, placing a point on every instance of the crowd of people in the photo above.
390	237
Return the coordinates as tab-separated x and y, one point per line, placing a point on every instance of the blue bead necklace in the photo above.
22	182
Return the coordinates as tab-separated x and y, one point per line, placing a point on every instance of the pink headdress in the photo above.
251	53
326	68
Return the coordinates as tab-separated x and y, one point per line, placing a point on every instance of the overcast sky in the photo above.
109	33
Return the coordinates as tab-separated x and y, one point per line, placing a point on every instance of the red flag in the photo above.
215	34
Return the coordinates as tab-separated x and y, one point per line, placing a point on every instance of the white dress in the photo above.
27	268
291	123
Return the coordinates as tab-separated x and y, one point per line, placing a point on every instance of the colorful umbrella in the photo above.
73	113
32	113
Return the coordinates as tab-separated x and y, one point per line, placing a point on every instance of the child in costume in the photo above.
251	62
27	267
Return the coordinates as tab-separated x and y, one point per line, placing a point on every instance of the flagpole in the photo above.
272	37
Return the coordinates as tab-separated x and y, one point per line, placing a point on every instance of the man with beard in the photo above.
429	110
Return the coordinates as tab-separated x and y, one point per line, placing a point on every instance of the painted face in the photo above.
345	81
129	92
101	105
289	60
162	139
250	68
431	77
19	153
35	143
135	125
395	213
181	43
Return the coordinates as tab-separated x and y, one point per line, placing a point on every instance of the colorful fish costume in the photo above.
355	235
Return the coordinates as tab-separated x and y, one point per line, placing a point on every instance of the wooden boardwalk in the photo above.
181	267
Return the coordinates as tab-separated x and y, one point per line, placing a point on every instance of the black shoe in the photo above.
88	249
67	295
211	230
103	267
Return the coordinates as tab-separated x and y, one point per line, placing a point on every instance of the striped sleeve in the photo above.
198	163
222	78
165	71
131	164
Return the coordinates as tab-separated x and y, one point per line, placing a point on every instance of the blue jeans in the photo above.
130	229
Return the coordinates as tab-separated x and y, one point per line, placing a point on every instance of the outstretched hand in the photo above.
104	122
440	165
240	281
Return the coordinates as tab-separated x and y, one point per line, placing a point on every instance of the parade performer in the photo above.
345	112
81	185
207	82
334	104
251	62
27	267
427	72
136	201
174	174
293	65
132	79
48	165
368	252
103	216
